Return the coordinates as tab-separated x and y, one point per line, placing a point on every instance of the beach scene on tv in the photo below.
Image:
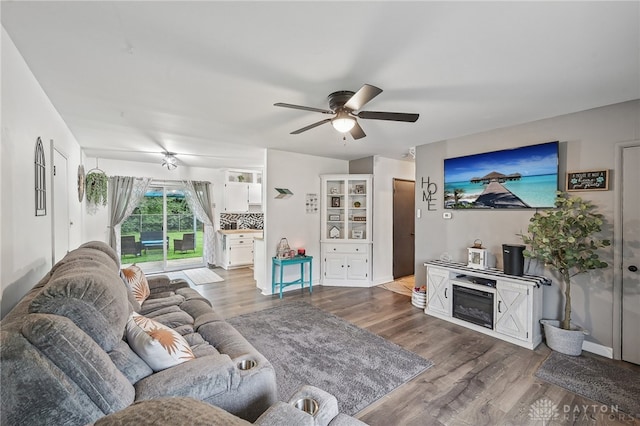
520	178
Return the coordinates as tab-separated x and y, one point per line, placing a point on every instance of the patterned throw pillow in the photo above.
138	282
158	345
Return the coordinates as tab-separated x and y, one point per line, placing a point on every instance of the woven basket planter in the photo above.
568	342
419	299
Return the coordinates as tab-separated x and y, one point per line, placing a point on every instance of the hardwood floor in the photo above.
476	379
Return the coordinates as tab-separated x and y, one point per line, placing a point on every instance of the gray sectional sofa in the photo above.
65	358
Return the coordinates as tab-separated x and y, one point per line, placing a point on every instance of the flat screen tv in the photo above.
519	178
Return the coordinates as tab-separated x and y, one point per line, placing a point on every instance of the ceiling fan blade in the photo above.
305	108
362	96
357	132
391	116
310	126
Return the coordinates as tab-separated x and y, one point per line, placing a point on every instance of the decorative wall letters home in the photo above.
429	189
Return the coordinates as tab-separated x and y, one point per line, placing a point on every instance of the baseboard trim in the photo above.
597	349
383	280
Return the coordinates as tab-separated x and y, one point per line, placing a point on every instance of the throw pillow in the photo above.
135	305
158	345
138	282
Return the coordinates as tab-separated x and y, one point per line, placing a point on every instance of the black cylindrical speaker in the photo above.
513	259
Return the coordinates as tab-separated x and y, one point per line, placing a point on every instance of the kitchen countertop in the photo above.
239	231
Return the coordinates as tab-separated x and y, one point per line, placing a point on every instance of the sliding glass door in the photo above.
166	234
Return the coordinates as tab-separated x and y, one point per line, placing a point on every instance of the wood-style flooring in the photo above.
476	379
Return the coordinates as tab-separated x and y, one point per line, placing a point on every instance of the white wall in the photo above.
287	218
588	141
384	171
26	239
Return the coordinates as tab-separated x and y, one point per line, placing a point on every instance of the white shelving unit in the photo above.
346	240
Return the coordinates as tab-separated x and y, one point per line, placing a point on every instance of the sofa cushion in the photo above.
36	392
152	305
129	363
172	319
202	378
80	359
172	411
158	345
91	295
103	247
199	346
137	282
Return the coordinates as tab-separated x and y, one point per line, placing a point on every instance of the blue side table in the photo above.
297	260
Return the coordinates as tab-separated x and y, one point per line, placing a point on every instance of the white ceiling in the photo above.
200	78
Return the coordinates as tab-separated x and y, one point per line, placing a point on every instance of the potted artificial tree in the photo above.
565	240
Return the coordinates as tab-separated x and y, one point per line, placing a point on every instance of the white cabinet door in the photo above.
240	255
512	310
357	267
335	266
255	193
439	294
236	197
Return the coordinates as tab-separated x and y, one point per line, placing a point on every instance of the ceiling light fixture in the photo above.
170	161
343	122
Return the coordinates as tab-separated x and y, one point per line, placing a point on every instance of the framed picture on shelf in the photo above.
357	234
334	217
335	201
359	189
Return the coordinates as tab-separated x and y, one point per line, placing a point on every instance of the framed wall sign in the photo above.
588	180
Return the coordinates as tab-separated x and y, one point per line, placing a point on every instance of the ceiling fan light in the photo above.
343	122
169	161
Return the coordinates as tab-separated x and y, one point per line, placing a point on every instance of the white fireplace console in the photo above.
515	301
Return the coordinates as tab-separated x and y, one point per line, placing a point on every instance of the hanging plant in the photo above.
96	188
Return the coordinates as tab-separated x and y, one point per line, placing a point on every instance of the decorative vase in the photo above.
568	342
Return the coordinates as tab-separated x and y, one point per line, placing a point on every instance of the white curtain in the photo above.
124	195
198	195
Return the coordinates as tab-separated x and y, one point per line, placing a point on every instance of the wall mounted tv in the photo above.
519	178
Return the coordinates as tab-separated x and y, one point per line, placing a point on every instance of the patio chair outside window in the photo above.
129	245
186	243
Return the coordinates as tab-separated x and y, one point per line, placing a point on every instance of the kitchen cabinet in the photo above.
236	247
242	191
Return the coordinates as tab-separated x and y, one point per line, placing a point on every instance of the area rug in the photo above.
307	345
200	276
592	378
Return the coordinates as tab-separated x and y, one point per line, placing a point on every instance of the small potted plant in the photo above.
565	239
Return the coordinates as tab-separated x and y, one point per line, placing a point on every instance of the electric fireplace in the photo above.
474	306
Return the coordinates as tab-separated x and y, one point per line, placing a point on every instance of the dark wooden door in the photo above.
403	227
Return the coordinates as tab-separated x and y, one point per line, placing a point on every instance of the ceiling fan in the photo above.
345	106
